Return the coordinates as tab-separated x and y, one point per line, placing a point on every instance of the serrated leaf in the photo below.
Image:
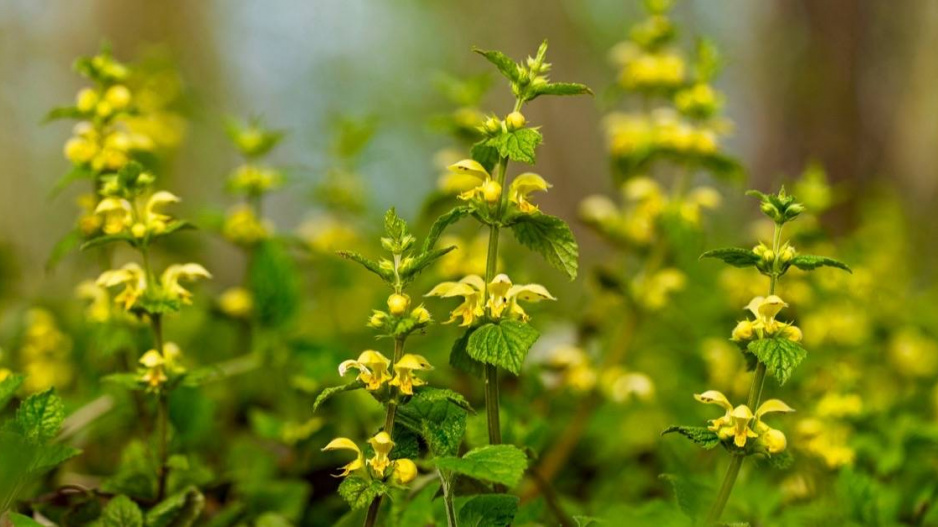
809	262
50	456
735	256
40	416
505	65
8	389
520	145
394	226
485	154
559	88
422	261
329	392
505	344
359	492
780	461
122	512
429	394
433	415
699	435
179	510
65	245
550	237
489	510
459	358
780	356
501	464
440	225
690	496
367	263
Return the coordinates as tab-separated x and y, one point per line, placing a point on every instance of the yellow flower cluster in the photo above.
630	134
402	471
156	367
254	180
373	371
44	352
764	325
243	227
740	424
100	307
136	283
643	70
397	313
140	219
503	298
489	191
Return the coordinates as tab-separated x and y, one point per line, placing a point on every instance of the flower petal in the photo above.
714	397
773	405
470	167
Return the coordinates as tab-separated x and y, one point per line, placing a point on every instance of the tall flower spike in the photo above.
342	443
372	367
404	372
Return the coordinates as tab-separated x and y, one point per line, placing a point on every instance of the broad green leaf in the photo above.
65	245
394	226
700	435
136	473
40	416
274	283
505	344
63	112
18	520
780	356
359	492
271	519
440	225
691	497
431	395
520	145
8	389
550	237
586	521
433	415
489	510
367	263
50	456
179	510
503	62
502	464
130	381
808	262
105	239
329	392
122	512
735	256
559	88
485	154
780	461
459	358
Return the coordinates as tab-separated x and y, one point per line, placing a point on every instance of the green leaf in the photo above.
274	283
780	461
550	237
459	358
429	394
394	226
8	389
440	225
271	519
502	464
809	262
122	512
559	88
65	245
690	496
586	521
433	414
519	145
780	356
505	344
503	62
74	174
179	510
485	154
700	435
130	381
329	392
63	112
489	510
420	262
367	263
106	239
18	520
735	256
360	492
40	416
51	456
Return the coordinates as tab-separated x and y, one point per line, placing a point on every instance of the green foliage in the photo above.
781	207
550	237
441	224
519	145
385	274
501	464
438	416
18	520
251	138
274	283
122	512
560	88
8	389
488	510
502	62
359	492
809	262
691	497
459	356
780	356
699	435
485	154
735	256
329	392
504	344
179	510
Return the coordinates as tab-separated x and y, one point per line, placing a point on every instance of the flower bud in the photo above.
404	471
759	250
420	315
377	319
118	96
788	253
104	109
491	191
774	441
742	331
493	125
792	333
768	255
515	120
398	304
78	150
139	230
86	100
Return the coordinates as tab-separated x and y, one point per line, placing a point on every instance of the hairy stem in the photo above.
156	321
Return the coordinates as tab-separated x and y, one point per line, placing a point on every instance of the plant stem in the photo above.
375	506
755	396
156	322
448	501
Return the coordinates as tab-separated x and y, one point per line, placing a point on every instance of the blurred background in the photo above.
849	83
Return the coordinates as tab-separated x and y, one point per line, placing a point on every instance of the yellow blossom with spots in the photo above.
132	277
382	445
522	186
485	188
372	369
503	298
181	272
404	370
343	443
120	215
741	424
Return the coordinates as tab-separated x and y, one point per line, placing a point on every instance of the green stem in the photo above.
448	501
156	321
755	397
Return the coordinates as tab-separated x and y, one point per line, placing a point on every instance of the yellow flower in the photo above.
243	227
515	120
154	221
118	97
420	315
742	331
523	185
117	214
404	372
486	187
86	100
404	471
372	368
99	302
255	180
154	373
735	423
174	273
342	443
503	295
382	445
4	374
470	288
398	304
80	150
132	277
765	309
236	302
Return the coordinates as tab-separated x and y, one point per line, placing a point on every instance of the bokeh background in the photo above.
849	83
